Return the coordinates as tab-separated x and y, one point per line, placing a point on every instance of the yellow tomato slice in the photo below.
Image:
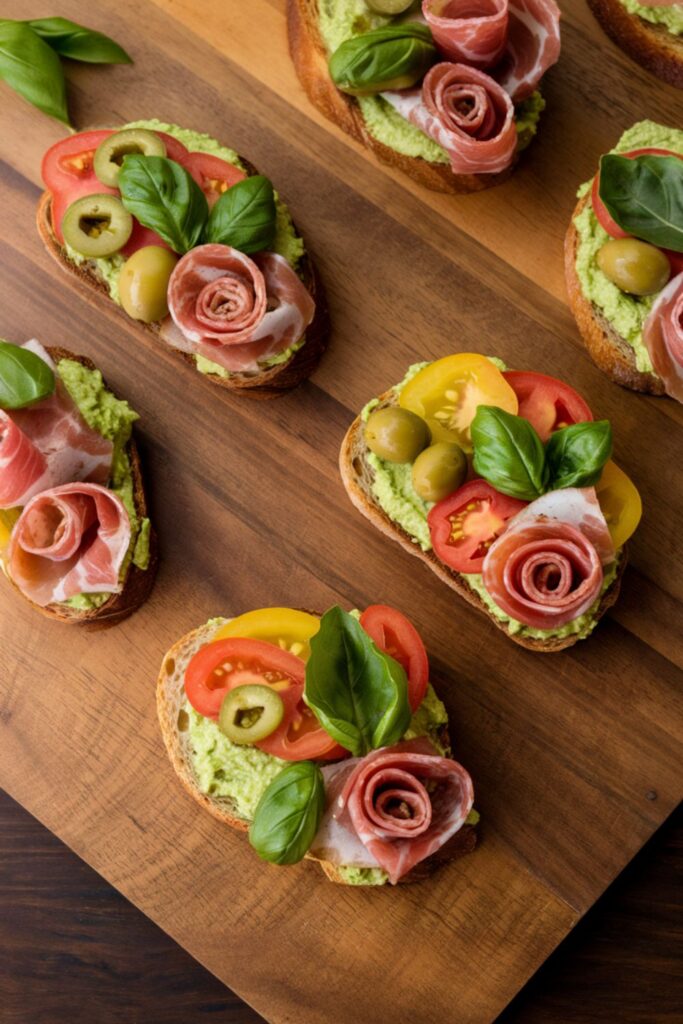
447	393
8	517
286	627
620	503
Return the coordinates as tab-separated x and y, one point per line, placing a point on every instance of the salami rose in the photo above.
663	336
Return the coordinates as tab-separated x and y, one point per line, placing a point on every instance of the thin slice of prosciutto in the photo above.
235	310
663	337
48	444
470	32
533	46
69	540
466	112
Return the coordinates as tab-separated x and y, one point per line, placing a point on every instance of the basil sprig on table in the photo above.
510	455
30	64
244	216
24	377
644	195
288	814
394	57
358	694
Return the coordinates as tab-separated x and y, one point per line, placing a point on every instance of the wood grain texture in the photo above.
575	762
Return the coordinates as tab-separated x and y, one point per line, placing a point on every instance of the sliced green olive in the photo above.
143	283
635	267
249	713
389	6
396	435
97	226
109	154
439	470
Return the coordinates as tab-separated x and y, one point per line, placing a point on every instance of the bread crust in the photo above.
169	701
138	583
606	347
651	46
309	56
357	476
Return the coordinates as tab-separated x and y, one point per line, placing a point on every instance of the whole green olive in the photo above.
143	283
110	153
97	226
633	266
396	435
439	470
389	6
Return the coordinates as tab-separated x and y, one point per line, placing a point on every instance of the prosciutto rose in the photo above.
470	31
663	336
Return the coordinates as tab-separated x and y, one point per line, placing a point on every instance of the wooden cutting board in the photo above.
575	756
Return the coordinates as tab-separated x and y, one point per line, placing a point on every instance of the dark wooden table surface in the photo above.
74	951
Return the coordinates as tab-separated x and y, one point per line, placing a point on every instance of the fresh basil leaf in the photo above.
164	197
244	216
645	197
394	57
25	378
79	43
288	814
33	69
508	453
358	694
576	455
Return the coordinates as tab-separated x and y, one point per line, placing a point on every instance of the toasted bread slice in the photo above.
608	350
310	57
358	476
137	583
650	45
174	729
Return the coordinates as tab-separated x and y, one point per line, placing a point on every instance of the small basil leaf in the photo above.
645	197
358	694
288	814
164	197
32	69
508	453
79	43
394	57
244	216
24	377
577	454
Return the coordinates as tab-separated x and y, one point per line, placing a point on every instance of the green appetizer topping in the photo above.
575	455
394	57
24	377
71	40
164	197
244	216
358	693
288	814
644	196
250	713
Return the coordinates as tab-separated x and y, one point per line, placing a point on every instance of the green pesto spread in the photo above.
670	17
113	418
344	19
626	313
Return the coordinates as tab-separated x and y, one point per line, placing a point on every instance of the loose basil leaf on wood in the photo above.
164	197
24	377
576	455
288	814
358	694
79	43
244	216
508	453
32	68
394	57
645	197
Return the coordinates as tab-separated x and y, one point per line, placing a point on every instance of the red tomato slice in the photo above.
213	175
394	634
221	666
547	403
67	171
599	208
465	524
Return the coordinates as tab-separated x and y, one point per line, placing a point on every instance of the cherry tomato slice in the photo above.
599	208
620	503
547	403
394	634
465	524
213	175
287	628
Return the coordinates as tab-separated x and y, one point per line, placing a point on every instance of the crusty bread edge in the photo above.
138	583
309	56
652	46
606	347
352	450
464	841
